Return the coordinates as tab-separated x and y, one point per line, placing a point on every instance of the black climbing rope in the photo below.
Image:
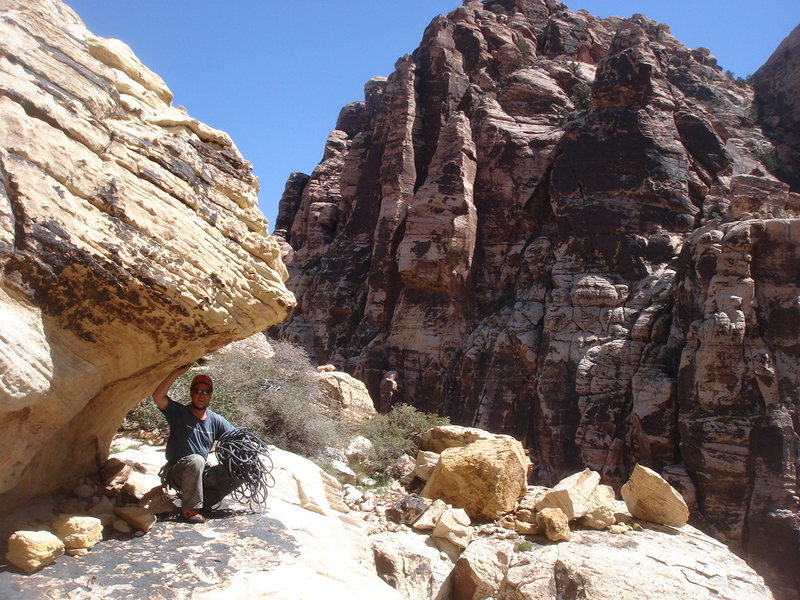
246	460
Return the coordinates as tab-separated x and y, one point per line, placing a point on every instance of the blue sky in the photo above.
275	74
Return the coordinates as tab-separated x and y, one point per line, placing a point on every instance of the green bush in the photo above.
580	95
524	546
498	9
277	399
396	433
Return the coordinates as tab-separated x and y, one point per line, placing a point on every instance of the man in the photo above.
193	428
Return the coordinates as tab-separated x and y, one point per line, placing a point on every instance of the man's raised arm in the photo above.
160	393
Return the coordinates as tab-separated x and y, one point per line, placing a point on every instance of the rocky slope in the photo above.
560	227
130	243
308	544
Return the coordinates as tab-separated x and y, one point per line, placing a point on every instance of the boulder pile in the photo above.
456	541
123	501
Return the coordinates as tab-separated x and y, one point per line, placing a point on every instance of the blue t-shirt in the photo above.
188	434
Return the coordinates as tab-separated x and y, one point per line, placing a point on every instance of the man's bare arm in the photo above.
160	393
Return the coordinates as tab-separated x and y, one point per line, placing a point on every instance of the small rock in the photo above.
352	495
602	507
526	528
454	526
77	552
115	474
425	463
371	499
78	531
343	472
554	523
138	518
428	520
138	485
121	526
532	497
32	550
157	501
650	498
408	509
618	528
358	452
572	494
404	468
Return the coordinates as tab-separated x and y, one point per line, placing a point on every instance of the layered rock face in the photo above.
559	227
130	243
776	85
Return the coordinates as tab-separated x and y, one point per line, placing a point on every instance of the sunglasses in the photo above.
201	392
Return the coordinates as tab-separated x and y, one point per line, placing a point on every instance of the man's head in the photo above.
200	391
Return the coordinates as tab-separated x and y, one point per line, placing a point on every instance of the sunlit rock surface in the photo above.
130	243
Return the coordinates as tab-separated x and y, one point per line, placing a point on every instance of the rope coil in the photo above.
247	462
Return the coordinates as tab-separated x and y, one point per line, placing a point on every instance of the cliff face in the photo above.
130	243
776	85
559	227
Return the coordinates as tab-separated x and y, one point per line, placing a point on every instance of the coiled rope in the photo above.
246	460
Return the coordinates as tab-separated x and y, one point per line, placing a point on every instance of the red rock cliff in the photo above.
559	227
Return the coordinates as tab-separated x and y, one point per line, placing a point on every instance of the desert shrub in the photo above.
396	433
580	94
498	9
524	546
276	398
145	417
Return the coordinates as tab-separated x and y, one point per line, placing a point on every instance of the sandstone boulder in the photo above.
137	517
157	501
425	464
408	509
454	527
554	523
299	481
412	564
358	451
601	509
486	478
345	397
442	437
135	245
428	519
599	565
78	531
571	495
650	498
32	550
138	485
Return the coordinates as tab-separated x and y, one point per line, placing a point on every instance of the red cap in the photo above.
202	379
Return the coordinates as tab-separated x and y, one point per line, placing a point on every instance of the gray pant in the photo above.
200	486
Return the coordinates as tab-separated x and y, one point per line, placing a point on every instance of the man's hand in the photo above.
160	393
